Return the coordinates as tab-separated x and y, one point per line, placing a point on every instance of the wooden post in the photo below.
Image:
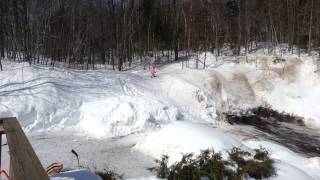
24	163
1	132
0	150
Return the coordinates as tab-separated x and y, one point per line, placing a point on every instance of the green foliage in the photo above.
163	169
259	170
185	169
261	166
237	155
261	154
210	165
107	174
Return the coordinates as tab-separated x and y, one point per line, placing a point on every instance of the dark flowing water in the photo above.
286	129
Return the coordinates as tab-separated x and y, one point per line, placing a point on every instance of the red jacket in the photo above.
153	71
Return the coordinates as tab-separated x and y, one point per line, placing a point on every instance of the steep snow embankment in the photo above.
98	103
203	94
206	93
292	85
295	90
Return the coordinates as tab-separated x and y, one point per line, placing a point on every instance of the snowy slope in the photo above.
185	137
98	103
124	120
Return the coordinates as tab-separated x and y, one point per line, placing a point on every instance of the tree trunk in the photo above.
310	27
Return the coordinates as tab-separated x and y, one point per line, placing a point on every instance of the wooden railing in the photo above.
24	163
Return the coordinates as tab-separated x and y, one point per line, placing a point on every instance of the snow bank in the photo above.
123	115
185	137
96	103
292	85
203	94
188	92
299	95
287	171
288	162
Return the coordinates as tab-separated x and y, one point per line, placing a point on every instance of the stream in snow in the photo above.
285	129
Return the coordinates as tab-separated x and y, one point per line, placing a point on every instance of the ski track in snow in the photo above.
124	120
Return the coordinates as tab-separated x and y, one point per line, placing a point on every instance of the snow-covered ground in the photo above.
124	120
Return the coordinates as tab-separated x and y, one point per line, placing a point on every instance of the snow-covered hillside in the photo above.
99	103
124	120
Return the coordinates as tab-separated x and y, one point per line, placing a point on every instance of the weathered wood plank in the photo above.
1	129
24	161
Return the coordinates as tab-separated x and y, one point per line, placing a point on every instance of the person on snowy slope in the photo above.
153	71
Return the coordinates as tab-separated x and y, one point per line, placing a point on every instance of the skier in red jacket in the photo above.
153	72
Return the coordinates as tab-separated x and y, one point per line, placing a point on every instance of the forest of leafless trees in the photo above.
119	31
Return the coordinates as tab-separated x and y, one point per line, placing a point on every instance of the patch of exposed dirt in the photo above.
286	69
215	85
239	77
289	71
263	85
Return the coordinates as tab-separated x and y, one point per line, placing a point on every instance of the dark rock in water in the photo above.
262	115
286	129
